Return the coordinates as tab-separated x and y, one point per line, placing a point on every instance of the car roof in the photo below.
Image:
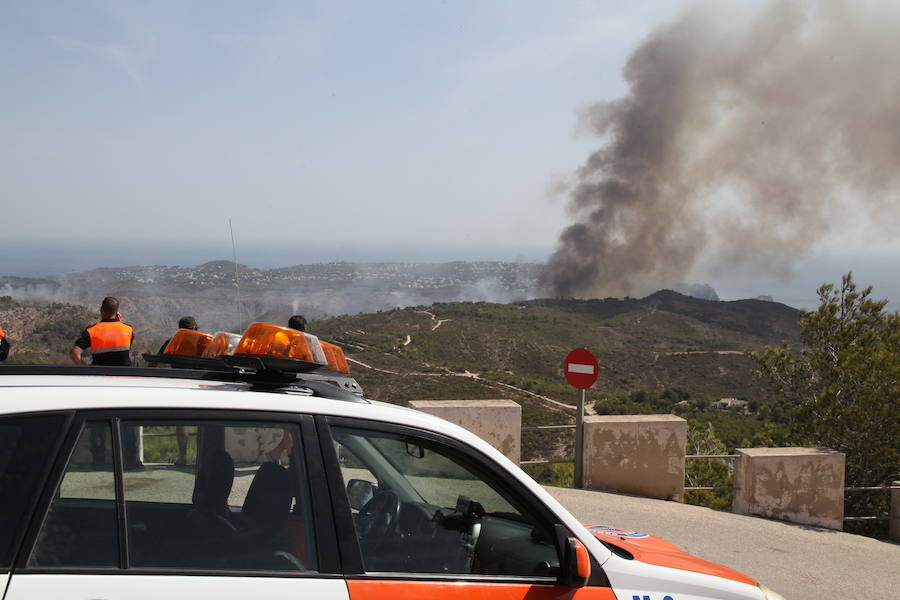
58	392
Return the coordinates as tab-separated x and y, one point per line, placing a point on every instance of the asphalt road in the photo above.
799	562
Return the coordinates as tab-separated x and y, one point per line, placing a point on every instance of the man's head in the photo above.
187	323
109	308
297	322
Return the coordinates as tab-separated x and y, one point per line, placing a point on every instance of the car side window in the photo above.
26	449
435	510
198	495
81	526
219	495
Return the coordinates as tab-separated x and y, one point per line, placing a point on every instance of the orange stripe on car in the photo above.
657	551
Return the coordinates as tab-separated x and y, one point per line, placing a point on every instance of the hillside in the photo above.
42	332
654	352
650	346
693	344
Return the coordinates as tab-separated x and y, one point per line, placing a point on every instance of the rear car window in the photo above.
26	445
198	495
228	496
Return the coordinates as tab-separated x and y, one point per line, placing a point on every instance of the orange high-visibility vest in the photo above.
110	336
2	333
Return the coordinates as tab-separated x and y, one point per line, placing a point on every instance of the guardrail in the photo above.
707	488
871	488
553	461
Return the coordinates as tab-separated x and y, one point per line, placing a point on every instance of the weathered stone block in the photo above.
638	454
895	513
498	422
800	485
249	445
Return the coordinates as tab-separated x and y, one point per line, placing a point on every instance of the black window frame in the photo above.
21	535
326	545
351	554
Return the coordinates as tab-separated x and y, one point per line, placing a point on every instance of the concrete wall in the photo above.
801	485
895	513
249	445
498	422
637	454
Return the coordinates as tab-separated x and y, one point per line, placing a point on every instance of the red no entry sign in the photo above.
581	368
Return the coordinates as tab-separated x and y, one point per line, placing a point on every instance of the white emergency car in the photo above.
253	482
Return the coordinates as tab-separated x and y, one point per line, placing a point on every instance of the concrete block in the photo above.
249	445
637	454
498	422
895	513
800	485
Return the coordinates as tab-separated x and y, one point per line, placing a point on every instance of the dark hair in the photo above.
110	306
187	323
297	322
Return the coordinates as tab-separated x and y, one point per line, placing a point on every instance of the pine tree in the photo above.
844	385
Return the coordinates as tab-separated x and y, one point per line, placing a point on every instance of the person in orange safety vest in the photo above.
110	340
4	345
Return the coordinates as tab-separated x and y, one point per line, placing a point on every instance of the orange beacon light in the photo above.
187	342
223	343
336	359
273	341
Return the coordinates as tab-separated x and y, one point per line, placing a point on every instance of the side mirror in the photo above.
359	492
575	569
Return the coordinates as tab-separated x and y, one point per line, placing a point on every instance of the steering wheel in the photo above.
378	517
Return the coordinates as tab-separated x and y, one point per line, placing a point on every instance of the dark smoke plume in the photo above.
746	135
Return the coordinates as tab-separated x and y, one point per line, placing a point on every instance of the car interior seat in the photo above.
263	517
210	518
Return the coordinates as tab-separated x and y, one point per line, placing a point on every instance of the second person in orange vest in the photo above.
110	340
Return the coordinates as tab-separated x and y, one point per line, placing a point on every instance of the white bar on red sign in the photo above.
586	369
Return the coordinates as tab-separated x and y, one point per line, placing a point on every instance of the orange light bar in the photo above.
316	346
336	359
187	342
265	339
223	343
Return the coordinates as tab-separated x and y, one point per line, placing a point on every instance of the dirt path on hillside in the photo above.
437	322
479	378
686	352
549	402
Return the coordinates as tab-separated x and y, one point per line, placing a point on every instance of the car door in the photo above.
422	516
28	444
151	504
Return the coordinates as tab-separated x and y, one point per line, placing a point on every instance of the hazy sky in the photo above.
427	122
413	130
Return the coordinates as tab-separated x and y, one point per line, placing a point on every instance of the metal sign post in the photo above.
581	371
579	442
